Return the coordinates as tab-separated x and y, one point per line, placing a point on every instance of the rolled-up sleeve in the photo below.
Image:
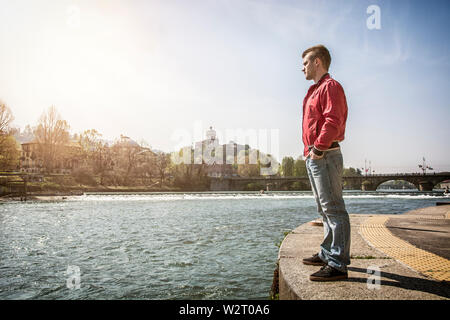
334	112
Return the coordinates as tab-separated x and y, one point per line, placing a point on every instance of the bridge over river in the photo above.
423	182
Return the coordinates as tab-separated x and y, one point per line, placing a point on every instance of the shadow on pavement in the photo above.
409	283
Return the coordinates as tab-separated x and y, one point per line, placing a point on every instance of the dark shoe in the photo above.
327	273
314	261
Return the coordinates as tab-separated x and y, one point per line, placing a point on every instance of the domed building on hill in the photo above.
218	159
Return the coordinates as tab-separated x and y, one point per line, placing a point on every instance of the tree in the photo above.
351	172
186	174
9	148
6	118
144	168
248	170
89	140
300	168
162	162
246	166
9	154
96	153
127	155
51	133
287	166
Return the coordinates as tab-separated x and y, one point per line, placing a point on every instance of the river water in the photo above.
161	246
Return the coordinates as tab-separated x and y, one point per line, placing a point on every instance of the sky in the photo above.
165	71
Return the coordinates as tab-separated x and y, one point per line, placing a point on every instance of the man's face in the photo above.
309	68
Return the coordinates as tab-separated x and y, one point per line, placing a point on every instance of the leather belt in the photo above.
335	144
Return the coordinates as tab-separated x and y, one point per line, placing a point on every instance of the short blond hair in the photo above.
321	52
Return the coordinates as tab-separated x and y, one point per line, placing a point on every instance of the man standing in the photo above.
324	118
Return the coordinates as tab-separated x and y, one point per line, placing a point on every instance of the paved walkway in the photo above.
399	257
426	228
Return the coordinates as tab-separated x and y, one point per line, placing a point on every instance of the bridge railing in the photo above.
406	174
378	175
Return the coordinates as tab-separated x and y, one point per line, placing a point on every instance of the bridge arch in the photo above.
422	183
409	183
438	181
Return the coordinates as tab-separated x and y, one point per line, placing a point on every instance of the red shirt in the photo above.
324	114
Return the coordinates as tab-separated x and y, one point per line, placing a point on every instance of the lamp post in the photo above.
367	169
424	166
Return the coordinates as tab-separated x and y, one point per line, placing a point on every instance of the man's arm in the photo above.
335	114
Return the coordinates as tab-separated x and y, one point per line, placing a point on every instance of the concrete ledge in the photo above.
396	281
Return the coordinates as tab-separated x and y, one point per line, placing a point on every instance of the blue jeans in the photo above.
325	175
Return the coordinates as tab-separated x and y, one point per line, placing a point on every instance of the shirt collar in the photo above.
325	76
315	85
